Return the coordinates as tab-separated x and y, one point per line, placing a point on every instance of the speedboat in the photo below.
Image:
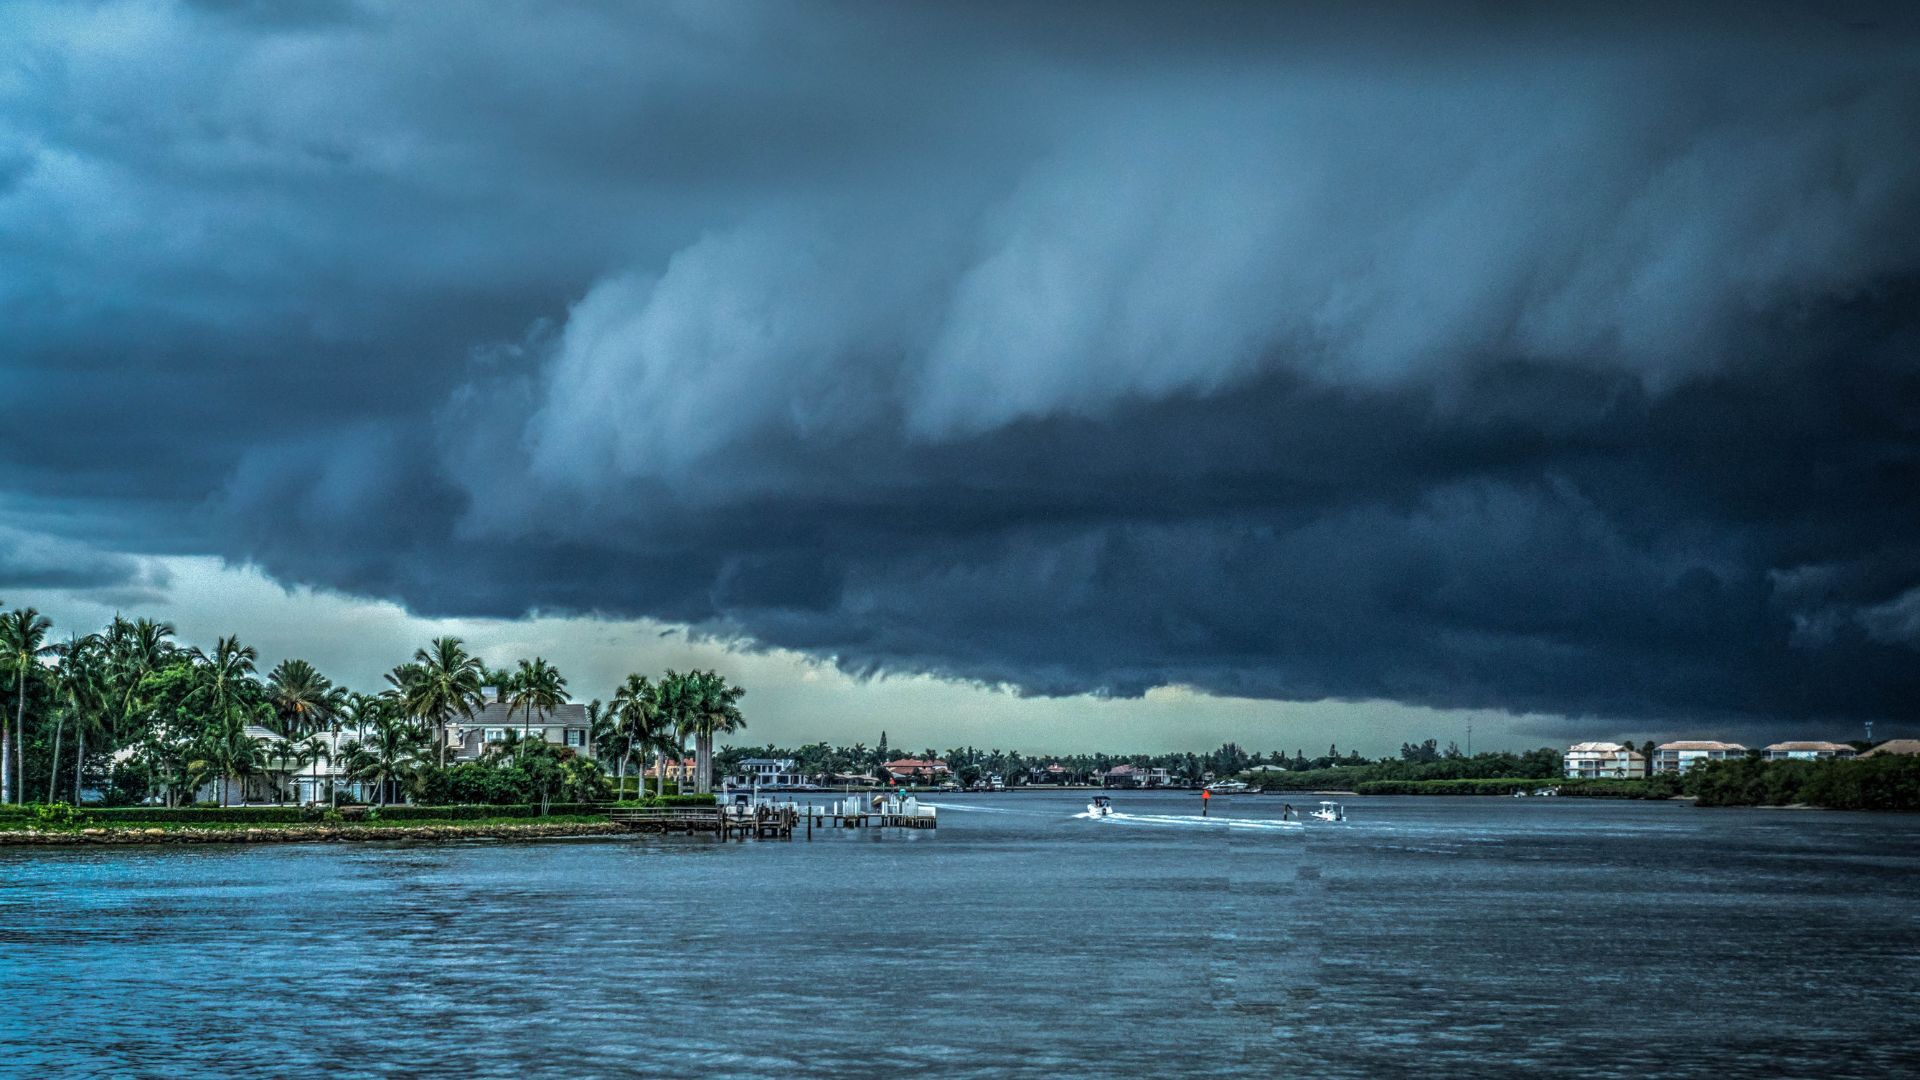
1228	787
1329	811
1101	806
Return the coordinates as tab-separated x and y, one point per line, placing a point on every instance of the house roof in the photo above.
780	762
1814	745
496	714
1597	748
915	763
1700	744
1895	746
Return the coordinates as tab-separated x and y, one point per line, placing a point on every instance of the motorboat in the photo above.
1101	806
1329	811
1228	787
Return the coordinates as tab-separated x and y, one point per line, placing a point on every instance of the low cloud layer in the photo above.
1552	363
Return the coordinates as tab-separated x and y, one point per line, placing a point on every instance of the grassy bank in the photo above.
57	822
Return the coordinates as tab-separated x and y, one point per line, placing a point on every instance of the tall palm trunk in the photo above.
53	769
19	738
620	776
6	754
659	773
79	759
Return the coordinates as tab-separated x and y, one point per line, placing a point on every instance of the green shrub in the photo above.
1659	787
208	815
684	800
1887	782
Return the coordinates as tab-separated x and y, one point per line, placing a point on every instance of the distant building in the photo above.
768	772
1604	761
1902	747
1810	751
917	770
1134	776
1677	757
677	769
1049	774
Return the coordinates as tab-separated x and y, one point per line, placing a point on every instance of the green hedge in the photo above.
1448	787
223	815
1657	788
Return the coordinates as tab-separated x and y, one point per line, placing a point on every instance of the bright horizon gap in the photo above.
792	699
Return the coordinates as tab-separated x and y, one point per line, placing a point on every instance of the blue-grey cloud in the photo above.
1549	361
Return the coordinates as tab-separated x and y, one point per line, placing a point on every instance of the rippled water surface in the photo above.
1440	936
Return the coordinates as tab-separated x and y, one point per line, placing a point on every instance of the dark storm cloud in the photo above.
1528	360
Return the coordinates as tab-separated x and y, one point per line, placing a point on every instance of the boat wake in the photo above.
1187	821
955	807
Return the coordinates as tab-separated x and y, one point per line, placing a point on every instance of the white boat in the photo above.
1101	806
1329	811
1228	787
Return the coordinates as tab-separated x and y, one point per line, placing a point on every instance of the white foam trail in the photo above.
1187	821
979	809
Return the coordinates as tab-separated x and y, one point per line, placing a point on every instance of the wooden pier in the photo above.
767	821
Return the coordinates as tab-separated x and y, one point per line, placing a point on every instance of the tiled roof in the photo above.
496	714
1834	746
1895	746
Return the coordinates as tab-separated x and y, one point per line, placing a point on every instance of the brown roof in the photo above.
1895	746
1810	746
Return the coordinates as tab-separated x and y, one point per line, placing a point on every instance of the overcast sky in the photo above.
1023	375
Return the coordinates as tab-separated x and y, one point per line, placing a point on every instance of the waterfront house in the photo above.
1810	751
768	773
1677	757
469	738
1604	761
917	770
1903	747
1049	774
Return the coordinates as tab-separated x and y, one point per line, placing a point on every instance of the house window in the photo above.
576	736
496	734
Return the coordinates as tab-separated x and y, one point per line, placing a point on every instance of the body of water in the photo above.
1439	936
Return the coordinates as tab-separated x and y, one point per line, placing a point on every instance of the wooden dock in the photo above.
766	821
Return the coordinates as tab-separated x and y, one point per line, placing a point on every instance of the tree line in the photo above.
185	713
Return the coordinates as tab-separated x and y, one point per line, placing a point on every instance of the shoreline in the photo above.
300	834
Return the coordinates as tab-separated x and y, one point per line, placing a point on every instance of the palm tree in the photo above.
537	685
389	755
708	708
361	710
302	698
233	751
224	677
134	650
82	690
313	751
23	641
447	683
645	726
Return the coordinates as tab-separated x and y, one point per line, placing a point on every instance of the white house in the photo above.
564	725
1678	757
1810	751
768	773
1604	761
